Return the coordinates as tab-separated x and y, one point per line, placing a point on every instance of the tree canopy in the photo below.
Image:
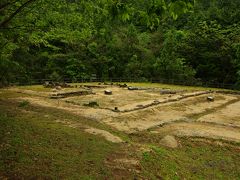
184	40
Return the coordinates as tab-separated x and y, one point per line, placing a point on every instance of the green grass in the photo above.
194	160
34	146
170	86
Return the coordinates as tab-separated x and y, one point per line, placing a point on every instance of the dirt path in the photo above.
203	130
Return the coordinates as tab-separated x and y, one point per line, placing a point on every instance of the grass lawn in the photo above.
33	145
195	160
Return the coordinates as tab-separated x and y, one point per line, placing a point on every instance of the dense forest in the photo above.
180	40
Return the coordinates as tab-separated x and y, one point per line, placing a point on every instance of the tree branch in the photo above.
3	6
8	19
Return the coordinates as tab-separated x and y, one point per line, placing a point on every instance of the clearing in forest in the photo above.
138	118
137	109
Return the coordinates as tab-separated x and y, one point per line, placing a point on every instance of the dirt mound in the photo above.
201	130
169	141
108	136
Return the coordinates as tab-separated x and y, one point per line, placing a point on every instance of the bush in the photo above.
23	104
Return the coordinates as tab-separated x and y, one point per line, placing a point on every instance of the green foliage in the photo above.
182	40
170	65
55	77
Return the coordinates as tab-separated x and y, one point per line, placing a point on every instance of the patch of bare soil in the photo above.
229	116
201	130
108	136
120	97
105	134
171	115
169	141
30	92
178	111
96	114
141	119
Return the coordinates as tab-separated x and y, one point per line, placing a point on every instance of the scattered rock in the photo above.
116	109
58	87
46	84
156	101
167	91
94	86
210	98
60	94
132	88
56	84
54	90
122	85
169	141
108	92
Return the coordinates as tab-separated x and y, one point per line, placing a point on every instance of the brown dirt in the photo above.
92	113
105	134
177	111
168	115
201	130
30	92
108	136
229	116
169	141
121	97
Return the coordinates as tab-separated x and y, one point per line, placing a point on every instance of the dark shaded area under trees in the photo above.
156	39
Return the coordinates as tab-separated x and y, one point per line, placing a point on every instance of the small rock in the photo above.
132	88
122	85
58	87
156	101
210	98
54	90
116	109
167	91
108	92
